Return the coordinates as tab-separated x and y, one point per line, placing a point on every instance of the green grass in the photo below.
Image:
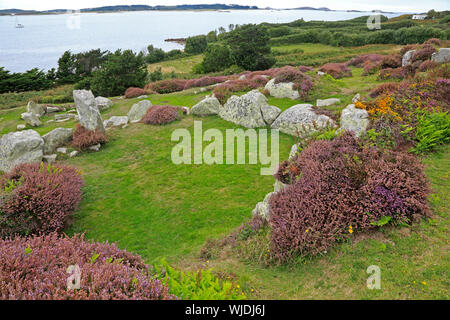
179	66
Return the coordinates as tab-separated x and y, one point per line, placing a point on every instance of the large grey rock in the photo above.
115	121
282	90
35	109
270	113
21	126
51	109
31	119
327	102
138	111
407	58
301	120
245	110
354	119
20	147
442	56
56	138
50	158
103	103
207	107
88	113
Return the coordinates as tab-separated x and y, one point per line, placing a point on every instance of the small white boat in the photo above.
18	25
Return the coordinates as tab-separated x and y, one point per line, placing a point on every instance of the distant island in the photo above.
183	7
121	8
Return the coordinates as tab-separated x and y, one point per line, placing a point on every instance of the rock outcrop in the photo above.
246	110
103	103
442	56
207	107
20	147
115	121
138	111
301	120
282	90
88	114
407	58
31	119
35	109
56	138
354	119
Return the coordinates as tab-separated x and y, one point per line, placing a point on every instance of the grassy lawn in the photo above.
179	66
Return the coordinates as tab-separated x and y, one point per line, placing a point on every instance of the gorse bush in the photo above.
37	268
84	138
337	188
197	285
38	198
159	115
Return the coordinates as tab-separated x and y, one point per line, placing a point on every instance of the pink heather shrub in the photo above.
427	65
35	268
134	92
305	68
424	53
167	86
407	48
84	138
370	67
390	73
360	60
204	81
38	198
433	41
159	115
336	70
391	62
338	187
384	88
225	90
301	81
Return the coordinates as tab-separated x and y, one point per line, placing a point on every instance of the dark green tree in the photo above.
66	72
118	72
217	58
250	47
195	45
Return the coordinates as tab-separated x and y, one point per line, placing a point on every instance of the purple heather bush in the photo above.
35	268
38	198
204	81
339	187
159	115
359	61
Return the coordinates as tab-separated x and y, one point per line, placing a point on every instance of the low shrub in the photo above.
301	81
407	48
427	65
204	81
197	285
134	92
424	53
167	86
359	61
432	130
159	115
337	188
391	62
225	90
433	41
384	88
38	198
84	138
393	73
336	70
370	67
44	268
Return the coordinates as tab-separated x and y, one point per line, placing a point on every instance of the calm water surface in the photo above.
45	38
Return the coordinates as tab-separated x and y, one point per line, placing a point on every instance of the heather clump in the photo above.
134	92
336	70
84	138
53	267
38	198
337	188
159	115
167	86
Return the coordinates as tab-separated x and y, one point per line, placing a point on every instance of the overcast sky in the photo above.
386	5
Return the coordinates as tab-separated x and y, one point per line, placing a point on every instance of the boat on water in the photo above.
17	24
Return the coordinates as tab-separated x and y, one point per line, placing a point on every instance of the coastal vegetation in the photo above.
349	199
